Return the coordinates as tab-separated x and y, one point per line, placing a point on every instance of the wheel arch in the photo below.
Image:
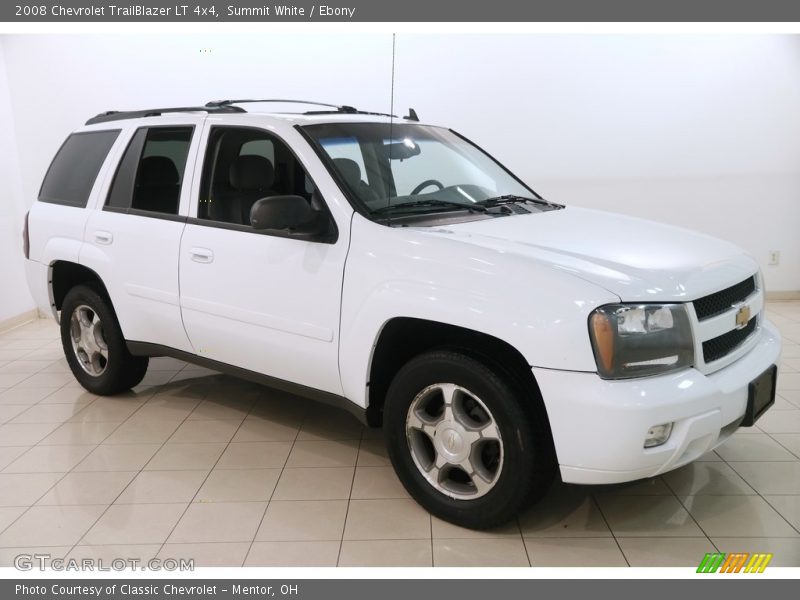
402	338
65	275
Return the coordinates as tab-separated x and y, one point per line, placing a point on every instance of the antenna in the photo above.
391	138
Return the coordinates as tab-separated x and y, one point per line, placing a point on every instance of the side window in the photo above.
243	165
72	174
150	174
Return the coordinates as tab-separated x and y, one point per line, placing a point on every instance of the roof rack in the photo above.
229	106
344	108
117	115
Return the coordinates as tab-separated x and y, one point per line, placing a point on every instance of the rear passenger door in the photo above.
134	239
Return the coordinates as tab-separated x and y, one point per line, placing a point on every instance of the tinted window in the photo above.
150	174
243	165
72	173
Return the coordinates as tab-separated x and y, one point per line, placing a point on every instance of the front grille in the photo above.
724	344
720	302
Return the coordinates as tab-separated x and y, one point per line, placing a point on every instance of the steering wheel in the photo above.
425	184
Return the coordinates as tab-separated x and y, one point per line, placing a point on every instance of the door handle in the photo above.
103	237
201	255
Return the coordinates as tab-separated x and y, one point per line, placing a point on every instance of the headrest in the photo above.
349	170
251	172
157	170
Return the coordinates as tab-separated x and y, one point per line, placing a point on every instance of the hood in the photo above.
636	259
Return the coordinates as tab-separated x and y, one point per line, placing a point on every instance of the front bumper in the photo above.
599	426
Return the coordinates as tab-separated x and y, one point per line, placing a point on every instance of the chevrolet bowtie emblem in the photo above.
742	316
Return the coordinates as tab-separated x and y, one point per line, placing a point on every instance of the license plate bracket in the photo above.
760	396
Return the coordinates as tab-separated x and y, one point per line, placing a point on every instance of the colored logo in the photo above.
737	562
742	316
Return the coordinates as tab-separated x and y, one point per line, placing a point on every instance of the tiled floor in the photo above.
198	465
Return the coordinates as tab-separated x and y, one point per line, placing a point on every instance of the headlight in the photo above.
631	340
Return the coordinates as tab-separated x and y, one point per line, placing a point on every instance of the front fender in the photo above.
401	272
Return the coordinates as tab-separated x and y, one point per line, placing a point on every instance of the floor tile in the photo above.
218	554
314	484
293	554
329	424
123	457
238	485
20	434
790	441
206	431
221	410
27	396
665	552
756	447
788	507
9	454
51	526
24	489
323	454
51	413
135	524
108	553
9	555
163	486
179	456
715	478
377	482
386	553
372	453
738	516
256	429
487	553
574	552
219	522
386	520
167	407
79	434
771	477
444	530
49	459
254	455
9	514
781	421
143	432
88	488
566	511
649	516
303	520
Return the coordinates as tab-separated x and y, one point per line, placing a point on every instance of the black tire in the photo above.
528	463
121	370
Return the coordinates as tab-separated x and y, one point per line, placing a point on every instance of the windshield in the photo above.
407	169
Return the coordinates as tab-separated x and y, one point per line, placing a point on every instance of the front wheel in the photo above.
94	345
463	442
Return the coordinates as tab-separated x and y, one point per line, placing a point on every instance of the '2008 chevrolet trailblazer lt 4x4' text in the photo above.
398	270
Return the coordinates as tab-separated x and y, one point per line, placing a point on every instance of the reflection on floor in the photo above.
193	464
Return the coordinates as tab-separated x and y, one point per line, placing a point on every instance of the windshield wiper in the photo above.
511	199
431	202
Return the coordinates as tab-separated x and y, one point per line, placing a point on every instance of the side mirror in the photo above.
292	213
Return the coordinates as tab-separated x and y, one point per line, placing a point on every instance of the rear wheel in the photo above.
463	441
94	346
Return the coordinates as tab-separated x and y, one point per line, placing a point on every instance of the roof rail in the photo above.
344	108
117	115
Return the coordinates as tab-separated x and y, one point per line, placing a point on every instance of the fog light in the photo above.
657	435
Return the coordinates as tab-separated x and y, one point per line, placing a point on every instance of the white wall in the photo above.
701	131
14	299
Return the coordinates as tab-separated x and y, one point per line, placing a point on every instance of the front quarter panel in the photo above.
407	272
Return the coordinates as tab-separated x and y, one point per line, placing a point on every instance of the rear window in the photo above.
72	173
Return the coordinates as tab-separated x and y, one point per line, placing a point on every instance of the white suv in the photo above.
399	271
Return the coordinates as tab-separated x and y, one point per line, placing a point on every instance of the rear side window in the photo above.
150	174
72	174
